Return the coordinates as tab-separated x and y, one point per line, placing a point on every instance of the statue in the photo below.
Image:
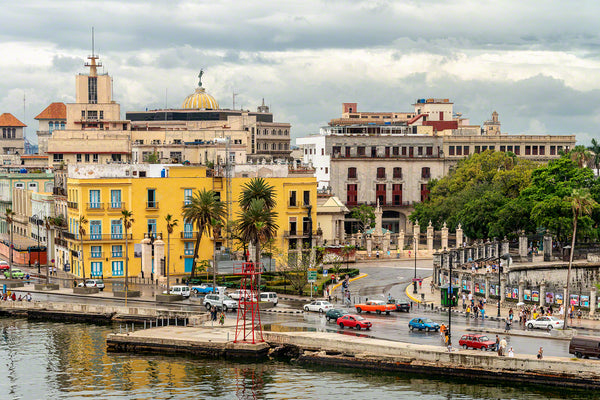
200	78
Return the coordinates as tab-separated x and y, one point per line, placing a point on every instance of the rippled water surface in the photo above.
41	360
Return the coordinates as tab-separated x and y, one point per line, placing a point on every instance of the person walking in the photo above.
510	352
507	325
540	353
503	345
498	345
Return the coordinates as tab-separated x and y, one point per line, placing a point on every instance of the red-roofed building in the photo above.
12	135
53	117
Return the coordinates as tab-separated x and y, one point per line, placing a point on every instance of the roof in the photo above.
414	119
54	111
7	119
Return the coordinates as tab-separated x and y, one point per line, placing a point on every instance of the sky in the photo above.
536	63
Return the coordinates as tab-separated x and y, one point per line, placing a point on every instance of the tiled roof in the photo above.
54	111
7	119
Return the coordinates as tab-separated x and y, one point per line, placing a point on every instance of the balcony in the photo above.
186	235
70	236
294	234
116	205
106	237
152	205
60	242
57	191
96	254
95	207
72	204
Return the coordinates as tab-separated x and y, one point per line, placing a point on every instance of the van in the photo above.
585	346
179	289
271	297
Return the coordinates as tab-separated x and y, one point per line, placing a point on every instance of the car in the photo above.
545	322
354	321
318	305
377	306
179	289
585	346
4	266
423	324
241	293
16	273
203	288
270	297
220	301
401	305
334	313
98	283
477	342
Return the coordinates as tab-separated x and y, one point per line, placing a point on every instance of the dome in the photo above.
200	99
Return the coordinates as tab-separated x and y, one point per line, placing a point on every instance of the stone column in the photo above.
461	255
416	235
496	248
146	257
429	237
159	254
386	242
542	293
369	245
502	289
547	247
444	236
505	247
472	279
353	240
487	288
593	300
459	236
401	240
521	289
523	247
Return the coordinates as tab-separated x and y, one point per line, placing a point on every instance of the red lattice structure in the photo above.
248	328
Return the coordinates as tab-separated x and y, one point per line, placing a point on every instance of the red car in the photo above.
477	342
354	321
4	266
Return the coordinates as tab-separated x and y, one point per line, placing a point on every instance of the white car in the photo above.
319	305
220	301
270	297
97	283
241	293
545	322
179	289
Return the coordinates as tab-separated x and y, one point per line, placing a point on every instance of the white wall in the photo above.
315	153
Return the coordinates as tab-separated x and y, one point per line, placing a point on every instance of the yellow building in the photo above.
151	191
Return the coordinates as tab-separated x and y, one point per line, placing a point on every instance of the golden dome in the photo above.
200	99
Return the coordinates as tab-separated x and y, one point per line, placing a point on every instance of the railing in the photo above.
69	235
151	205
116	205
106	236
95	206
72	204
188	235
57	191
96	254
295	234
117	254
60	242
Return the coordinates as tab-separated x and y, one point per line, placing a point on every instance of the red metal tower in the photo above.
248	328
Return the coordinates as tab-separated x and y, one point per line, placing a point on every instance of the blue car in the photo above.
203	288
423	324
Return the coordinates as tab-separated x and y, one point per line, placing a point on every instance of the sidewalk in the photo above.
433	299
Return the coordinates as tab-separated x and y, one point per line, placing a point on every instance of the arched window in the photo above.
62	125
279	132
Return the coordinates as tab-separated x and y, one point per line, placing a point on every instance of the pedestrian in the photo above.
482	310
28	297
503	345
507	325
222	318
377	254
20	298
27	277
468	311
540	353
14	297
470	297
498	344
550	309
464	298
420	283
389	297
510	352
579	316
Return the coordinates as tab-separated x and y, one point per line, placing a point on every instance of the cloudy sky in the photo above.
536	63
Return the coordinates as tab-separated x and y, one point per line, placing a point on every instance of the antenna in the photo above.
233	94
24	128
92	41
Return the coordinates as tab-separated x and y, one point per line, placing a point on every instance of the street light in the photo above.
506	257
450	296
36	218
415	278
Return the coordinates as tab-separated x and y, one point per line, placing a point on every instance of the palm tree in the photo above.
171	223
257	188
9	220
82	221
580	155
595	150
257	224
127	220
203	209
582	204
217	225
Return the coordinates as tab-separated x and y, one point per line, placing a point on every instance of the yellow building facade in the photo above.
152	191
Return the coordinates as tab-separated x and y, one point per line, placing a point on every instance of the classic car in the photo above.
376	306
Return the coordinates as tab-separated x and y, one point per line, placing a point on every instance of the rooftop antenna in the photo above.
233	95
24	128
92	64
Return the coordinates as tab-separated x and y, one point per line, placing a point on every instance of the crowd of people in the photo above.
12	296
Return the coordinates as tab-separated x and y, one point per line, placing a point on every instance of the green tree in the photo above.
365	215
82	221
203	209
152	158
171	224
595	155
257	188
582	205
10	215
580	155
127	220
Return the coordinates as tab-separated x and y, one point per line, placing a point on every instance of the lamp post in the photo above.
450	297
507	258
415	278
36	219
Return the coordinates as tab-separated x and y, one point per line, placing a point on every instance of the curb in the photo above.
337	285
283	311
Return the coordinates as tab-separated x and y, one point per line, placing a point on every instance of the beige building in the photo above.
52	118
12	135
331	213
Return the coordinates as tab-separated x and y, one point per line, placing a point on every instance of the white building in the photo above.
314	153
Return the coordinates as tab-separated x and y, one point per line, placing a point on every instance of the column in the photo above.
146	257
416	235
444	236
502	289
430	237
369	245
505	248
547	247
521	289
159	254
593	300
523	246
386	243
401	240
487	288
542	293
459	236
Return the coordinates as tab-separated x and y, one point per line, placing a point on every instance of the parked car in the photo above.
220	301
98	283
319	305
4	266
271	297
477	342
203	288
179	289
545	322
401	305
241	293
354	321
377	306
16	273
423	324
334	313
585	346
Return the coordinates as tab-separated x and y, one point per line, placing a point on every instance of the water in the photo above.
43	360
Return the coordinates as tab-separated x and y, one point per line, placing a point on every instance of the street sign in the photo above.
325	272
312	275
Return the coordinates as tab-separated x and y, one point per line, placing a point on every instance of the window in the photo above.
116	157
151	198
477	149
425	173
336	150
381	173
347	151
115	198
79	157
466	150
305	226
96	252
352	173
95	158
151	226
95	230
292	223
92	89
50	126
373	152
404	150
116	229
87	158
517	150
95	199
326	170
306	197
420	150
117	251
429	150
451	150
188	248
380	191
96	269
552	150
397	173
32	186
101	114
117	268
424	192
82	114
322	152
187	196
57	157
397	194
459	150
188	229
292	202
351	194
395	151
92	115
360	151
